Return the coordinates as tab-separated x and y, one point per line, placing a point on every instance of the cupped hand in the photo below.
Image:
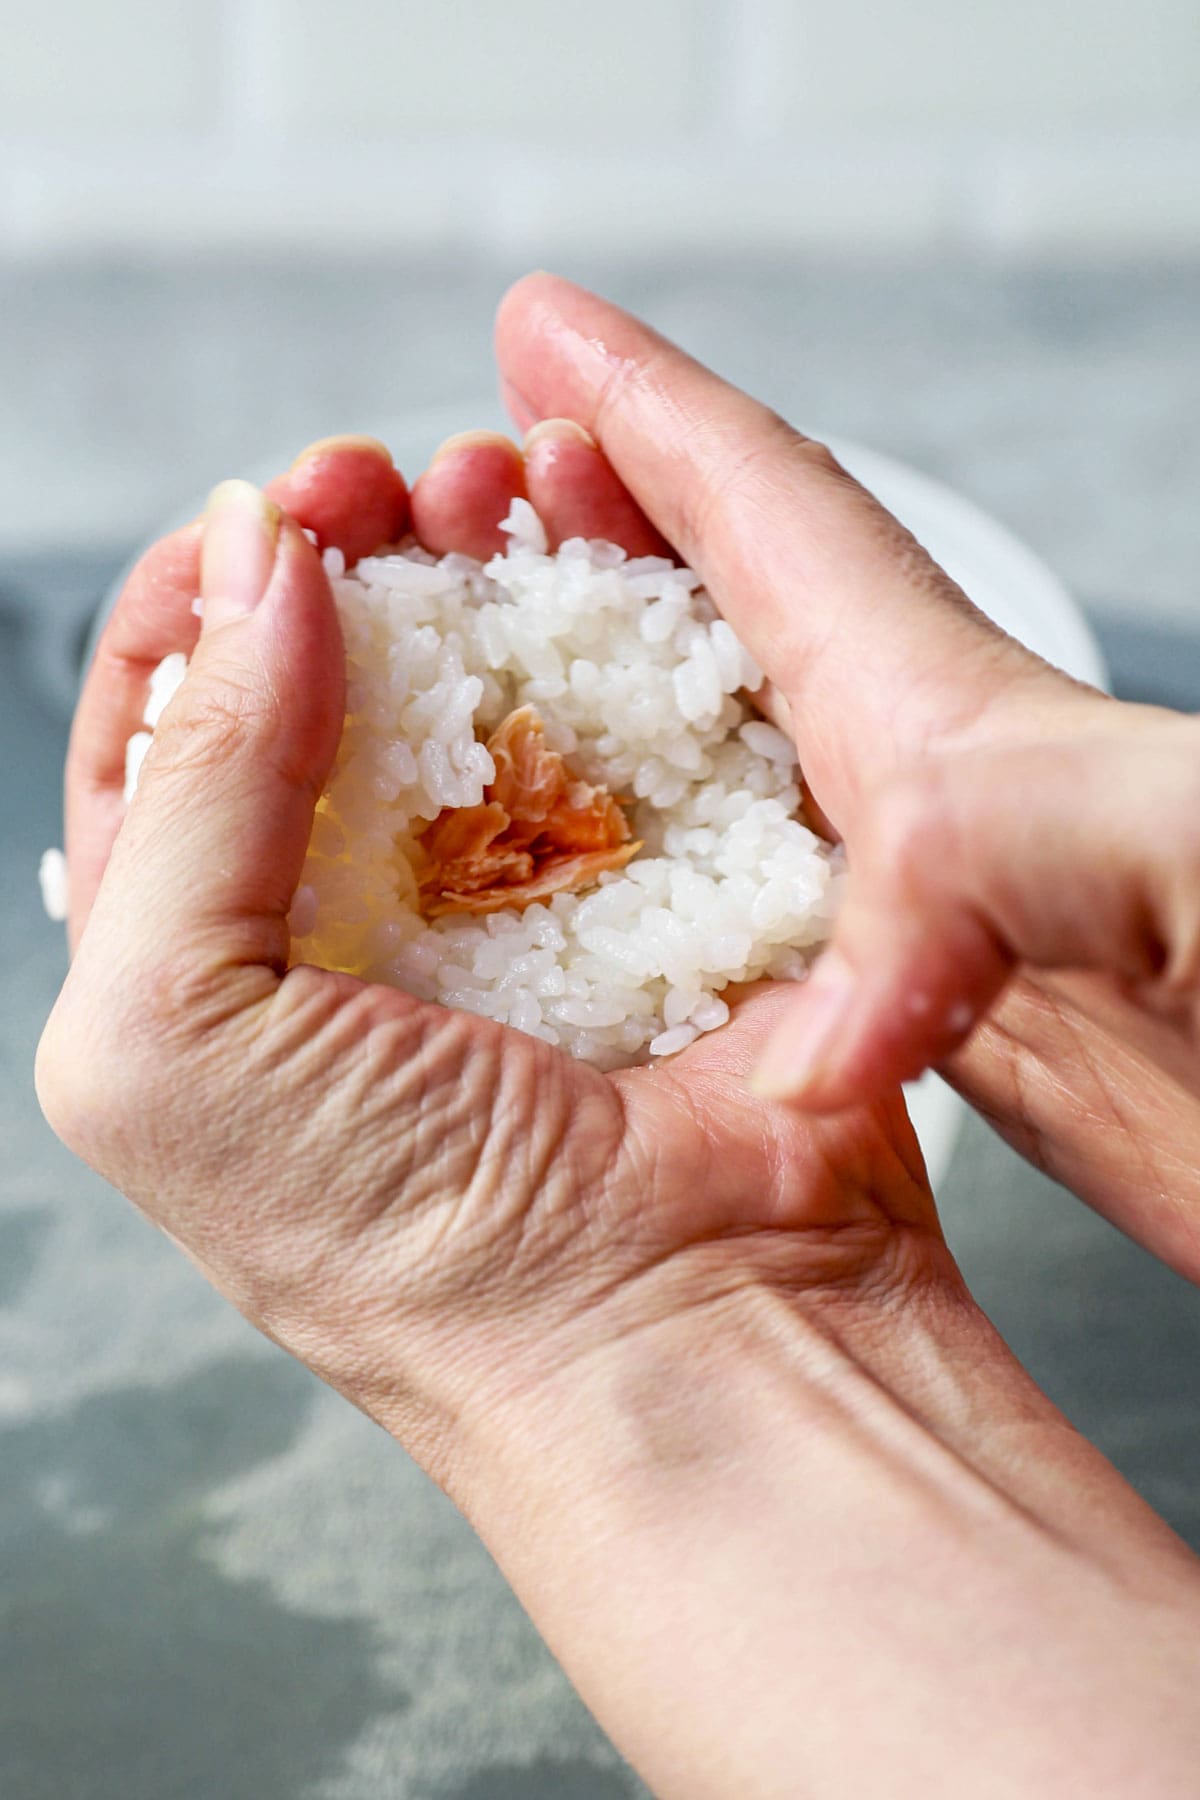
698	1366
1024	904
364	1174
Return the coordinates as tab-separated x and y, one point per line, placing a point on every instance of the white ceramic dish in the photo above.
1003	577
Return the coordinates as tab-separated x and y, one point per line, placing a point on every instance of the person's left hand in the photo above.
681	1355
346	491
179	1009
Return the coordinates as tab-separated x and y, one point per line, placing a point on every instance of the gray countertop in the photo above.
217	1578
1062	400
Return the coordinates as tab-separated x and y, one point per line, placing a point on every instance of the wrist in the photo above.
674	1385
731	1516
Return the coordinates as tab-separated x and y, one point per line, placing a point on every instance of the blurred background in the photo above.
965	234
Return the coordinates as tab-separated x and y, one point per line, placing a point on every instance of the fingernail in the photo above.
241	531
473	440
349	440
561	429
803	1051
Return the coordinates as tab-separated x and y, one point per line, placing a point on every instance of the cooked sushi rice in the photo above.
639	686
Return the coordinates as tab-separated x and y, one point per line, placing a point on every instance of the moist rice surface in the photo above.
640	686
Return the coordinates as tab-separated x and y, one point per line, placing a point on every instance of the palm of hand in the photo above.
457	1150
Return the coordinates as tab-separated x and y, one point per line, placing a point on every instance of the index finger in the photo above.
876	649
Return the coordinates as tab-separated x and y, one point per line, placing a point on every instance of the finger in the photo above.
575	493
209	855
344	489
1080	855
1103	1096
875	648
850	1161
347	491
152	619
468	488
519	410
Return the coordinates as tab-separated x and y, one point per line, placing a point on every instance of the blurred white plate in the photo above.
1003	578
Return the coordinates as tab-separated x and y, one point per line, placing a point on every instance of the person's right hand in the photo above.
699	1367
1024	905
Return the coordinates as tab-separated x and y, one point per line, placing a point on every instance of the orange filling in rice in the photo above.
537	831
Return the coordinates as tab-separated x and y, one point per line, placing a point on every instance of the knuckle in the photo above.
905	826
72	1078
119	1075
209	726
238	721
51	1079
812	454
178	1003
751	470
122	1033
775	463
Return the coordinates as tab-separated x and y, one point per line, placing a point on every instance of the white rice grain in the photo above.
640	685
52	879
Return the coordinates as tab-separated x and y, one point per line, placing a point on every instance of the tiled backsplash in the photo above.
535	127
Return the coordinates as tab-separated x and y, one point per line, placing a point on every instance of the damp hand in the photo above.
349	1164
1024	903
698	1367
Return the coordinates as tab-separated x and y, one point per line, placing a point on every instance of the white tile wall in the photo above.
1008	65
570	73
1061	200
833	195
543	125
73	70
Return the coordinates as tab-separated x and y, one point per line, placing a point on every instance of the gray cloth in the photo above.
218	1579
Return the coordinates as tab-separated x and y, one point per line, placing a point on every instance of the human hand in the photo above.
451	1147
1024	904
681	1355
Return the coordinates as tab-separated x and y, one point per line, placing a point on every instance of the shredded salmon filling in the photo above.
537	831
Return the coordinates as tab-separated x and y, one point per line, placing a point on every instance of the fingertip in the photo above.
238	553
456	446
349	441
256	559
468	488
348	492
551	435
806	1051
537	320
535	284
848	1040
577	493
300	579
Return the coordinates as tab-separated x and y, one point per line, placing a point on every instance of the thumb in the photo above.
879	655
1078	854
209	855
